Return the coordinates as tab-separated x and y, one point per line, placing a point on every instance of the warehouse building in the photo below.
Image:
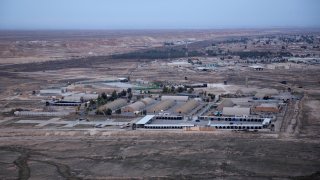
147	101
175	98
268	108
238	126
139	105
187	107
34	113
142	122
225	103
151	122
62	103
162	106
235	111
52	92
114	105
167	117
168	126
80	96
228	118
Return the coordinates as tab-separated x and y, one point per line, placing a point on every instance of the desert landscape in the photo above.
174	104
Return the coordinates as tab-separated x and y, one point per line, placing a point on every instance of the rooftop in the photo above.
271	105
145	119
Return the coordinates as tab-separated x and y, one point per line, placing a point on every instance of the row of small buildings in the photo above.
227	123
154	106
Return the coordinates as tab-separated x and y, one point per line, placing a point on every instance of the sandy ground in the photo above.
39	153
50	154
158	155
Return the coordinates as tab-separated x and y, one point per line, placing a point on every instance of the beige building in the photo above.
114	105
139	105
162	106
236	111
175	98
187	107
225	103
267	107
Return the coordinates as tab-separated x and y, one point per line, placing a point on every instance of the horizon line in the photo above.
142	29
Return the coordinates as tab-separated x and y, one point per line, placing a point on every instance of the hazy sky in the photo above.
155	14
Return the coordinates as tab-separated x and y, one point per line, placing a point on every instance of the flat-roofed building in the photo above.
175	98
145	120
238	126
225	103
236	111
168	126
267	107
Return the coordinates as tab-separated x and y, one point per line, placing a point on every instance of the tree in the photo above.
144	112
104	96
165	89
92	102
118	111
212	96
173	89
108	111
180	89
186	78
122	93
101	101
129	90
190	90
130	96
114	95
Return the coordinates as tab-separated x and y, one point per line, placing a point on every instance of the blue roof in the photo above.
145	119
